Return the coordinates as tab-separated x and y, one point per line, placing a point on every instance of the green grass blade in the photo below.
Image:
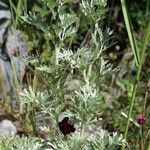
130	32
145	42
12	6
16	11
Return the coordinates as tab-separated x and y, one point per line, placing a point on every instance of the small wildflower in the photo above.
15	51
141	119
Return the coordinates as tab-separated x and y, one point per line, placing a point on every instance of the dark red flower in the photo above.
65	127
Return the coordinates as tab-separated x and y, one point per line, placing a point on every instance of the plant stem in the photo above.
82	129
25	6
33	107
3	86
16	78
35	79
57	51
98	54
11	9
56	121
146	38
18	13
148	147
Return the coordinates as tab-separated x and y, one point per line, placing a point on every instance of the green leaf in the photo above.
130	32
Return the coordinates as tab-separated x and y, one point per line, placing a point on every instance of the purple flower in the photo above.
141	119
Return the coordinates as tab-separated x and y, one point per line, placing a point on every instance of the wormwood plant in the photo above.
75	80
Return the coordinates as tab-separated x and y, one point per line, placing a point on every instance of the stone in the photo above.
7	128
12	57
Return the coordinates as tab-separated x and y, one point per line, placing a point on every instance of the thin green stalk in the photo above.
82	129
11	9
33	107
89	71
16	10
16	76
148	146
91	65
146	38
12	6
25	6
3	87
33	120
57	51
18	13
27	115
56	124
35	79
130	32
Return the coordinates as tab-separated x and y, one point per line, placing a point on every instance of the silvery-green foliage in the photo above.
51	4
53	106
105	67
87	102
34	61
101	140
67	20
116	139
27	143
32	96
85	98
102	40
80	59
69	57
72	143
93	9
33	19
64	28
88	99
44	69
23	143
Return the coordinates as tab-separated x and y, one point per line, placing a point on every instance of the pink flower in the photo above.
141	119
15	51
